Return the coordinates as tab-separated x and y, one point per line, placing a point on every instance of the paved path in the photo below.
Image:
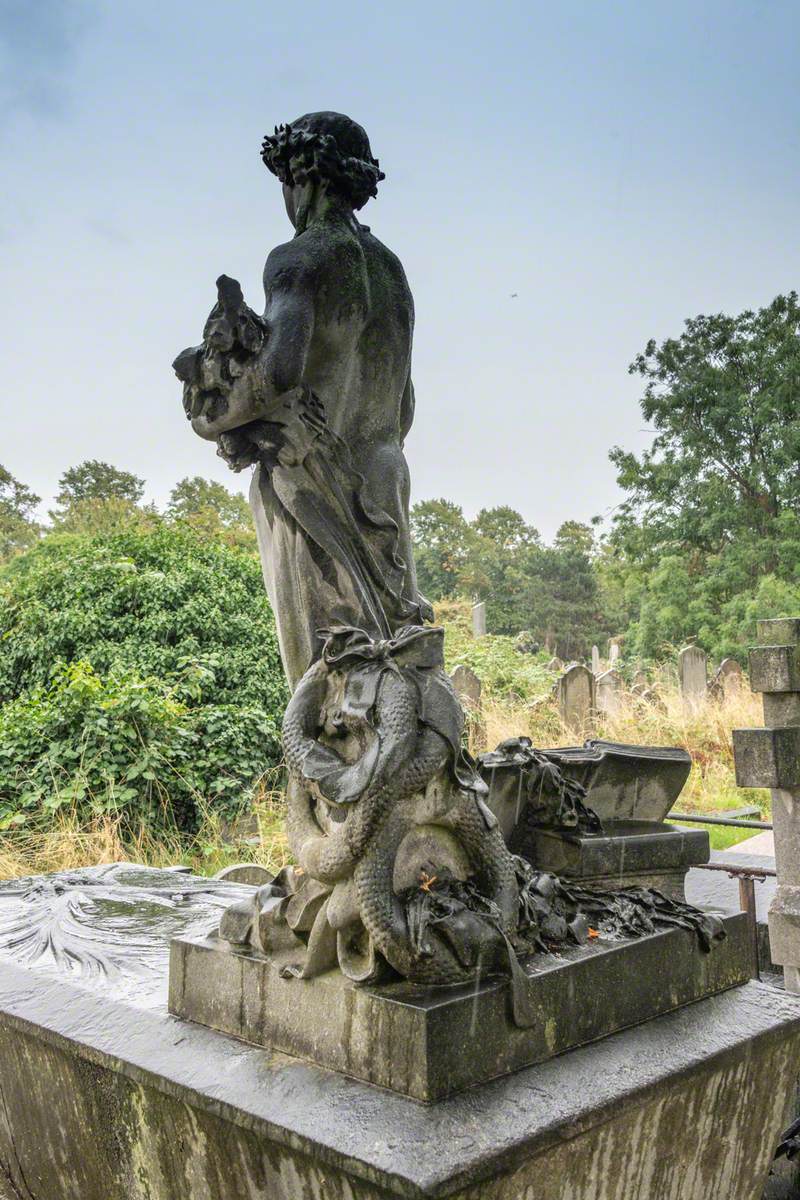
762	843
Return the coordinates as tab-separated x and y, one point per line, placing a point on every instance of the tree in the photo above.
723	398
92	481
195	497
442	539
140	673
18	529
576	537
717	494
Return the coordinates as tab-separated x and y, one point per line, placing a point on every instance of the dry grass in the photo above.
705	731
68	843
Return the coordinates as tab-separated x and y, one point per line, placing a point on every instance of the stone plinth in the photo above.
625	854
430	1042
108	1097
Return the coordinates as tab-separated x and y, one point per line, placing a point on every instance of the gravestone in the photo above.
608	692
729	679
467	685
640	681
555	664
770	758
615	648
479	620
595	660
576	697
693	674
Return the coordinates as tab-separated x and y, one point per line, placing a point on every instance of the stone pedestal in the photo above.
428	1043
770	758
626	854
106	1096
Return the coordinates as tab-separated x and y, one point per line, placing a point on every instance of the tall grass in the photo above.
704	730
69	842
64	841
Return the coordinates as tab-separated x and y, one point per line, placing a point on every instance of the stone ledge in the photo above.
428	1043
232	1102
775	668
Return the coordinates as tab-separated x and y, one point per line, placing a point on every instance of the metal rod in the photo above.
735	871
736	822
747	902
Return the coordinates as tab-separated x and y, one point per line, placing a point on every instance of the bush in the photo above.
139	672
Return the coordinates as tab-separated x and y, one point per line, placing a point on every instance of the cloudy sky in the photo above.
564	181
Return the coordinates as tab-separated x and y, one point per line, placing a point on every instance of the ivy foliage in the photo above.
139	672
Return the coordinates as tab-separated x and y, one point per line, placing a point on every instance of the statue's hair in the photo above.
324	148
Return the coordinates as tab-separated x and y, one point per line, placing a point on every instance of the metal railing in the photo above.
734	822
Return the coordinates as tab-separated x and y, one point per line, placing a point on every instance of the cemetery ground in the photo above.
517	700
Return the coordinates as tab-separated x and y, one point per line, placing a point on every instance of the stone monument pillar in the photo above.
770	758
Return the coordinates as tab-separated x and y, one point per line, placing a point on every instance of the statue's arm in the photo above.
279	365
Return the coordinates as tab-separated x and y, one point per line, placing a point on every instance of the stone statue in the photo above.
402	868
317	393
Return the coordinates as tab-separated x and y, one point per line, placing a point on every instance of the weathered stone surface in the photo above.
693	673
767	758
626	854
779	631
467	685
576	696
421	1042
638	783
608	692
595	660
249	873
729	677
102	1101
775	668
479	620
784	925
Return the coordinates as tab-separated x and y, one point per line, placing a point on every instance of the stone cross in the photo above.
595	660
693	674
770	758
479	619
608	692
575	691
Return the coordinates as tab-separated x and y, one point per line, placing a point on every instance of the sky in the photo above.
564	181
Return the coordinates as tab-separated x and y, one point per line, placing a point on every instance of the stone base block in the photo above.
104	1102
625	854
105	1096
430	1042
784	926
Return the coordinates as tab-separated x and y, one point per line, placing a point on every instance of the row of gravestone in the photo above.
582	693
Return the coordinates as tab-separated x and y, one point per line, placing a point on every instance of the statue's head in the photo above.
323	150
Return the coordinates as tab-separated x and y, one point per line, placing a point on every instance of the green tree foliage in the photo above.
139	670
18	529
442	544
93	483
713	506
195	497
499	558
